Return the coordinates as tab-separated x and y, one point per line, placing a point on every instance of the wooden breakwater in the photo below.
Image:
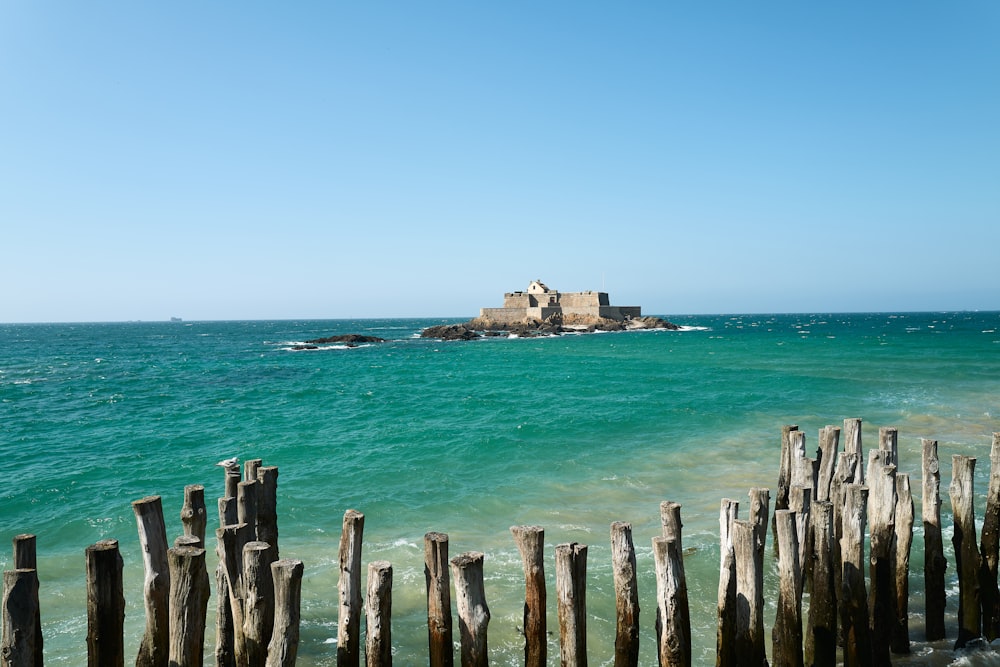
842	531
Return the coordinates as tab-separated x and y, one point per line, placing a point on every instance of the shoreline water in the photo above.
468	438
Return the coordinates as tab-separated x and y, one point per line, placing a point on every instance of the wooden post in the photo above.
25	558
571	591
233	478
934	562
284	647
852	444
803	467
231	540
725	653
189	591
888	439
438	600
673	631
193	512
225	648
854	599
787	631
250	468
626	595
267	507
378	615
258	603
760	498
966	552
829	444
784	468
530	542
881	520
750	647
349	587
155	644
20	615
800	502
846	473
670	521
105	605
473	613
989	547
900	641
247	493
821	629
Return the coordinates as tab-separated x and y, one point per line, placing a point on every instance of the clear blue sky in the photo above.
231	160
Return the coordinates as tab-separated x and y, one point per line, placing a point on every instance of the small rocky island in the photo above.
541	311
350	340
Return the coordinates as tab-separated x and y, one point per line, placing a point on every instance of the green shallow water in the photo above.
570	433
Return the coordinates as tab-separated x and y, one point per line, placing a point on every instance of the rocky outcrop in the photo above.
555	325
349	339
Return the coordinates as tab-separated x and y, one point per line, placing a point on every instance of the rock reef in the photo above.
555	325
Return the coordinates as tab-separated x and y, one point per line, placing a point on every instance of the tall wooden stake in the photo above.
105	605
189	591
750	646
438	600
854	608
626	595
19	615
378	615
154	647
900	642
571	591
25	558
821	631
725	653
934	561
349	587
989	547
881	519
473	612
787	631
284	646
673	629
966	550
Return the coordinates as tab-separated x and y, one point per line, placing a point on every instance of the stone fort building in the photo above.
540	303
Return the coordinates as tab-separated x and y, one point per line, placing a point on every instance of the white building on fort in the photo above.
540	303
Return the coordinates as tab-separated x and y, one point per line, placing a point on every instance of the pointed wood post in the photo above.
189	591
258	602
349	587
725	640
829	444
194	516
230	543
784	468
250	468
750	646
284	646
473	612
673	631
787	632
378	615
800	503
247	496
881	520
571	591
854	608
846	472
900	642
267	507
105	605
966	551
19	616
821	631
626	595
934	561
888	439
670	521
852	444
438	600
25	558
989	547
154	647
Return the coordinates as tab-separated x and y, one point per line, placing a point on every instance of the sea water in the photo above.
570	433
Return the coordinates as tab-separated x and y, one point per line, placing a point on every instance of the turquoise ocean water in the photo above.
570	433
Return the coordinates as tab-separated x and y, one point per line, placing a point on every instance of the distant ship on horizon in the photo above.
176	319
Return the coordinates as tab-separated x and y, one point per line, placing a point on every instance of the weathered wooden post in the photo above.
349	587
626	595
829	444
225	649
787	632
750	647
258	603
194	516
473	612
155	644
900	642
530	542
571	591
800	503
439	600
934	561
267	507
25	558
847	470
105	605
284	647
881	520
725	640
989	547
378	615
888	440
760	498
784	468
670	522
852	444
247	494
673	630
250	468
966	550
821	630
20	616
231	540
233	478
189	591
854	607
803	467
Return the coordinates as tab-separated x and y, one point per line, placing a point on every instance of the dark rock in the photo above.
449	332
351	339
